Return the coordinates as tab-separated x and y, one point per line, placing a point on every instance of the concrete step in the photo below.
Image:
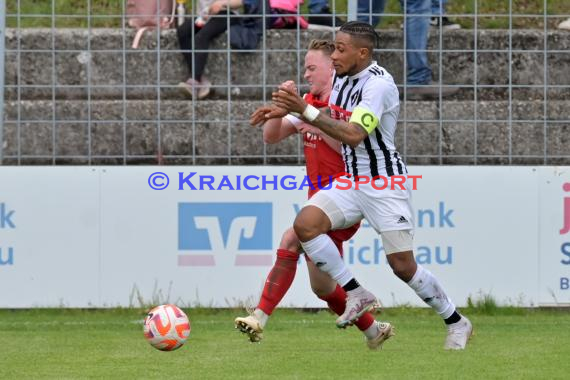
218	132
99	64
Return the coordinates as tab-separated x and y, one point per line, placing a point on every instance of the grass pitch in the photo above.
109	344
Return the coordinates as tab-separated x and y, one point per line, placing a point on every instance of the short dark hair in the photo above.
362	31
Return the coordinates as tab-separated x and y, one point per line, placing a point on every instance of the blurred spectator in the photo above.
369	11
245	33
419	75
438	12
204	29
564	25
417	22
322	14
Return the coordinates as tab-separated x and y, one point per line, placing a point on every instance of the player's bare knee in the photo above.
403	265
398	245
303	229
310	223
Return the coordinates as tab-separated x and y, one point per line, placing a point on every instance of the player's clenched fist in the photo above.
289	85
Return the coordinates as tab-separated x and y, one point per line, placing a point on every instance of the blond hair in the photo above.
326	46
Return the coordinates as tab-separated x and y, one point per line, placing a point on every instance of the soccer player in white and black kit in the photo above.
364	106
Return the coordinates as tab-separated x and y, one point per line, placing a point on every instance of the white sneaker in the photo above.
385	331
564	25
446	23
458	334
196	89
358	302
250	325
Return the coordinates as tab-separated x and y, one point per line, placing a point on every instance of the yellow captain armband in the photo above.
365	118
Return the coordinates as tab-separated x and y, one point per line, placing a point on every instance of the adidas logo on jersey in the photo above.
402	220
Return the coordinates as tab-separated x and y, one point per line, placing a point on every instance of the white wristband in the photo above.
311	113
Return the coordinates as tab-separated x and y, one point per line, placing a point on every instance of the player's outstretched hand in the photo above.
289	100
266	112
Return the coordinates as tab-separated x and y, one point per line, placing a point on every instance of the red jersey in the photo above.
321	159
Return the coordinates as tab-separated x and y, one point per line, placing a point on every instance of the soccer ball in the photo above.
166	327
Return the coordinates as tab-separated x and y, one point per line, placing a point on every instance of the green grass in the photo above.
107	13
72	344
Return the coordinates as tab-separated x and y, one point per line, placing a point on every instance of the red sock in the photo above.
337	303
279	280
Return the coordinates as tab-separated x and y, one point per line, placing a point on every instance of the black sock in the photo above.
351	285
453	318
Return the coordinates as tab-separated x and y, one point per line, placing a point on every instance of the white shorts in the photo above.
385	210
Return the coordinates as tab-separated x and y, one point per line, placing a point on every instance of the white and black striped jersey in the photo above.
373	89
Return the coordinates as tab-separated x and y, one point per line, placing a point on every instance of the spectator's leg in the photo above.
184	33
322	7
213	28
316	6
365	13
437	7
418	70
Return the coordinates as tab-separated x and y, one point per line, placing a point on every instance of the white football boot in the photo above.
251	326
458	334
385	331
358	302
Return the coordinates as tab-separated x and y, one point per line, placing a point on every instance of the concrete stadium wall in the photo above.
91	67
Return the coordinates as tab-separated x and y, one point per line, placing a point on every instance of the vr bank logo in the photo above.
211	230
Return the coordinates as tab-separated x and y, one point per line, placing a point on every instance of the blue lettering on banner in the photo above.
564	283
185	180
443	220
365	255
427	255
225	226
565	249
371	254
6	256
6	215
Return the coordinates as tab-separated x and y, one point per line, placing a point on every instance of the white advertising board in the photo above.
103	237
554	230
49	237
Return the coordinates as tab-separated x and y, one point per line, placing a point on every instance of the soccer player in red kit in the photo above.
323	162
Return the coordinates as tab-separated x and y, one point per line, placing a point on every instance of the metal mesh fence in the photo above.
76	92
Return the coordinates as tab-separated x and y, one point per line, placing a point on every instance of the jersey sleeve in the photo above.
369	110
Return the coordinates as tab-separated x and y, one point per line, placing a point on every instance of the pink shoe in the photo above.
358	302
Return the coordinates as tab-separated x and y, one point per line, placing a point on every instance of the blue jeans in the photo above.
364	13
317	6
438	7
417	27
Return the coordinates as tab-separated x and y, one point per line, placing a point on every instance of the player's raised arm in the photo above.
275	126
350	133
